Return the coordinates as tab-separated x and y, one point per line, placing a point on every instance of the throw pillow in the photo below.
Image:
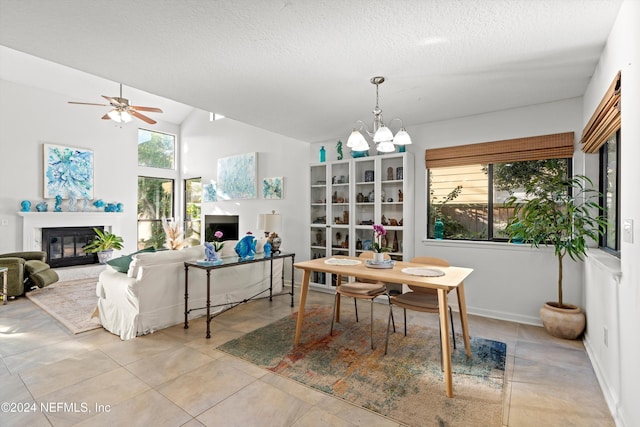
121	264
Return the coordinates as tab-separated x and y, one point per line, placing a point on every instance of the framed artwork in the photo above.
272	188
68	172
238	177
209	192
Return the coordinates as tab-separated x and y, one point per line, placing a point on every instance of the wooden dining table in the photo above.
453	278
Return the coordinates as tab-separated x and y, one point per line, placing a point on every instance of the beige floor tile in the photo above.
49	378
23	410
44	355
147	409
168	365
353	414
199	390
317	417
550	354
256	404
294	388
129	351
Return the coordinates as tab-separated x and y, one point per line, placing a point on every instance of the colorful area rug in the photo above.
406	385
71	303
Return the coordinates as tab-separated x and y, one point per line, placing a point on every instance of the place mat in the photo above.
341	261
422	271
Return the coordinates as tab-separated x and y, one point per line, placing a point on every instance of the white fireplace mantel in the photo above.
34	222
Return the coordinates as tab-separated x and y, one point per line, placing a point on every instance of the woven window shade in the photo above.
556	146
606	119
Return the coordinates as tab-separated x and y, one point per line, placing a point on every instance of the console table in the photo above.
227	262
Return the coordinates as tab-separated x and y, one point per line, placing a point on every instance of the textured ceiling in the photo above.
302	68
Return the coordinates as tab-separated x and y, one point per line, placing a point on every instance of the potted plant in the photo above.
103	244
563	213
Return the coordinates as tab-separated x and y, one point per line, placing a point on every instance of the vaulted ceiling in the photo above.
301	68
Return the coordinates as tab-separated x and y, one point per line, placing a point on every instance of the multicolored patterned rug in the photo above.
406	385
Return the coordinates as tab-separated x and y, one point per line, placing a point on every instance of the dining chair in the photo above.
420	299
361	288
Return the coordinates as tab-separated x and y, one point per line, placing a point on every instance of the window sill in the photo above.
485	245
606	261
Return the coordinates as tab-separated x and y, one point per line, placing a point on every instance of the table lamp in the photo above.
271	224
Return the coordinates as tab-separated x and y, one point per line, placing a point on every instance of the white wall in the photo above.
204	142
616	304
30	117
509	282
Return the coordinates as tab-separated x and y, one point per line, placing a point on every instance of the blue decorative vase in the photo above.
25	206
267	249
246	247
438	229
323	154
42	207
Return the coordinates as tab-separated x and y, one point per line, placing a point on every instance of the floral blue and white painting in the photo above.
272	188
237	177
68	172
209	193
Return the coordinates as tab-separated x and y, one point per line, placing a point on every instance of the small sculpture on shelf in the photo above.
57	207
42	206
246	247
389	173
25	206
400	196
339	148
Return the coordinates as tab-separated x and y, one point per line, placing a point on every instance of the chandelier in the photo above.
381	134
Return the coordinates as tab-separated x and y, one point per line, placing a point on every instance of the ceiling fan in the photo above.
122	112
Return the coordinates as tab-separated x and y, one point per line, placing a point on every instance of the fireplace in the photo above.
63	245
228	224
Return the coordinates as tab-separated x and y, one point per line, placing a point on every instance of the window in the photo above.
156	150
468	185
155	201
609	187
192	209
469	199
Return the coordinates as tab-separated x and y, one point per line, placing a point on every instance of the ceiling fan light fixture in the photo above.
120	116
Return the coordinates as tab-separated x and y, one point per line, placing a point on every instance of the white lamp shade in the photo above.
402	137
386	147
119	116
270	222
383	134
357	140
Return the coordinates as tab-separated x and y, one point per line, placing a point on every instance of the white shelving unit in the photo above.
349	196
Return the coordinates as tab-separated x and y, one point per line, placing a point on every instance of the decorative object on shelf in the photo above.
366	245
246	247
438	229
369	176
67	170
42	206
267	249
396	244
272	188
111	207
275	242
119	207
99	203
174	235
72	202
339	148
58	206
383	220
399	173
357	154
25	206
400	196
104	244
381	135
238	177
389	173
210	252
323	154
360	198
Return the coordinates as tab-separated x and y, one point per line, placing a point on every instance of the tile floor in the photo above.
175	377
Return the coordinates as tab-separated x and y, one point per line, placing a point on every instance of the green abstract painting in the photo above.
237	177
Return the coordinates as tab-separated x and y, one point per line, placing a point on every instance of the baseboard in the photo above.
607	390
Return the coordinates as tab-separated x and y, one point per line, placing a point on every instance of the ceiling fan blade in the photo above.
106	117
142	117
151	109
87	103
113	101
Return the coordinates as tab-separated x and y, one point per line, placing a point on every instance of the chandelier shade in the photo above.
119	116
380	134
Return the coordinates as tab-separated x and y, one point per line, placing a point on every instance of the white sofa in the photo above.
150	296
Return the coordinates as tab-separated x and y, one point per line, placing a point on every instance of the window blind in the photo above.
555	146
605	121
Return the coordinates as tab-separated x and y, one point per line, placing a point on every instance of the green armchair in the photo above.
27	269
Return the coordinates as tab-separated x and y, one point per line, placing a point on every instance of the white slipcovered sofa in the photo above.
150	296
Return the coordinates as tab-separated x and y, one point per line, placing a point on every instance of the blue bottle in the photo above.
267	249
438	229
323	155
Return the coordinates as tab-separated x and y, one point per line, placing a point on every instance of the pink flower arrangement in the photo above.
217	244
377	244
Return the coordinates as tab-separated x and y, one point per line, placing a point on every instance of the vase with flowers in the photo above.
213	249
378	248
